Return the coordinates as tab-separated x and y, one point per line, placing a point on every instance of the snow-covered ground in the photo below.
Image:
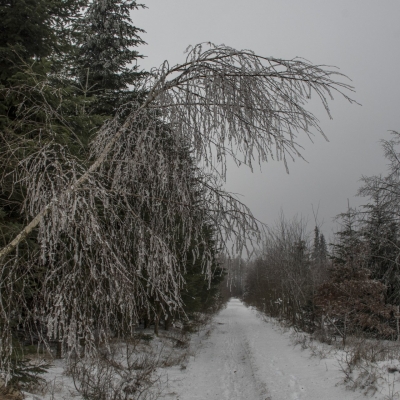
244	356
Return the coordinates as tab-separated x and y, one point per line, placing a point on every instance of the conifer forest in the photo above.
120	244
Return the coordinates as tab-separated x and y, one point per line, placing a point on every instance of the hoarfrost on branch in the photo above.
113	237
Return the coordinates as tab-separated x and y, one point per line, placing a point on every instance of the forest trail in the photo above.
245	358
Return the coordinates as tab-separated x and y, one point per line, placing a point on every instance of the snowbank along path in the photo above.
245	358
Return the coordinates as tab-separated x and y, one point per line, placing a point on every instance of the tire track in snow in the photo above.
244	358
240	378
223	369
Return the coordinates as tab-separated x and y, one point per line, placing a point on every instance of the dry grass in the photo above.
369	366
9	393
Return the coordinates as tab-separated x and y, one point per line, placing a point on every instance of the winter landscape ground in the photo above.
244	355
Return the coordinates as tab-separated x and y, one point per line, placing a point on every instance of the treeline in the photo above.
351	286
284	278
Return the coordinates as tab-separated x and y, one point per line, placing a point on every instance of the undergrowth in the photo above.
367	365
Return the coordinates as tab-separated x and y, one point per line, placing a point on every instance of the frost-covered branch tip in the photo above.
114	239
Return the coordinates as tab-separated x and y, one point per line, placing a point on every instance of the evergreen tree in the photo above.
380	231
104	59
319	250
200	294
381	222
34	29
348	238
35	35
316	245
323	248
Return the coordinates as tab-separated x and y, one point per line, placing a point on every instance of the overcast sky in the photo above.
361	37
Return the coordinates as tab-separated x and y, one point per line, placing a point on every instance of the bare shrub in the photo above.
179	338
9	392
117	374
361	365
319	350
306	341
372	350
368	379
300	339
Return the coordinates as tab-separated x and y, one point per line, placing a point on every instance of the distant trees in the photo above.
347	239
352	289
109	223
319	249
299	281
283	279
236	273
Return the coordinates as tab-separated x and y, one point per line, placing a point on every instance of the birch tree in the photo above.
113	230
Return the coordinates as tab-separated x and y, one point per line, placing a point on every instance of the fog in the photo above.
361	38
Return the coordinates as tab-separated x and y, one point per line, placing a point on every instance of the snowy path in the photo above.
244	358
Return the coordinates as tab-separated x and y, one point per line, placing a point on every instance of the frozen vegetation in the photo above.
113	216
240	354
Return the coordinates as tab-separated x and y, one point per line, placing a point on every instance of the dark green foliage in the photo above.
39	99
31	30
347	239
42	103
319	251
380	231
200	294
103	64
25	373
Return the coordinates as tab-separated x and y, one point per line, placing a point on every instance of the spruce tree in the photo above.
380	227
104	61
323	250
380	231
348	238
34	29
316	245
200	294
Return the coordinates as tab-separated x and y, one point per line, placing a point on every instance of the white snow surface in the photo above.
246	358
243	355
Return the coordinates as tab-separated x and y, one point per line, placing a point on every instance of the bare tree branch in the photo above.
113	237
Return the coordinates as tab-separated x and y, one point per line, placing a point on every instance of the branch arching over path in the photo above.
219	103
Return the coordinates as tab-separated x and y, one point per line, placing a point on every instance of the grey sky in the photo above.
361	37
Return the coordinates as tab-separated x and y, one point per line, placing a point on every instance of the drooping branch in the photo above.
226	97
113	238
